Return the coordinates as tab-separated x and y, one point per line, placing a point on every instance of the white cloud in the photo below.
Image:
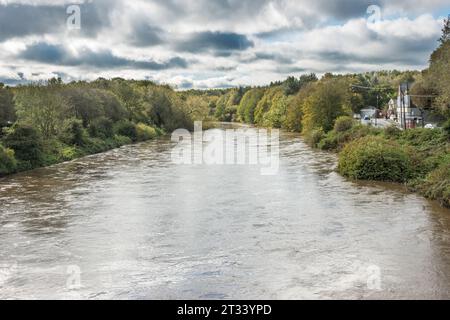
281	37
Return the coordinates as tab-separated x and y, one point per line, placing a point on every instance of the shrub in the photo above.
343	124
392	132
27	145
436	186
424	138
126	128
446	128
160	132
121	140
145	132
314	137
375	158
73	132
97	145
69	153
101	128
8	163
51	150
329	142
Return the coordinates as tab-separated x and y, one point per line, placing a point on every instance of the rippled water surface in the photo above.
140	227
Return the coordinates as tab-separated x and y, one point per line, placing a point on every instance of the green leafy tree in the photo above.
73	132
43	108
227	105
27	145
265	104
291	86
8	163
197	108
329	100
276	115
7	111
438	77
247	106
445	31
101	128
126	128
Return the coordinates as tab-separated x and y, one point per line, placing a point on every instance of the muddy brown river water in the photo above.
130	224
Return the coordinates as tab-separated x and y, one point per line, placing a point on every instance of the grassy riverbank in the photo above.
418	158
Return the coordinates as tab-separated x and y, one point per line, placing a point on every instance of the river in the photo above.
130	224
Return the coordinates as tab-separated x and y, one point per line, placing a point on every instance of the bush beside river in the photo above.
419	158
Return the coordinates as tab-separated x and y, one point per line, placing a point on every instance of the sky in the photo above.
211	43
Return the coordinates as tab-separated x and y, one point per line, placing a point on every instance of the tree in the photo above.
197	108
44	108
265	103
307	78
101	128
438	77
445	31
247	106
126	128
7	111
291	86
294	113
130	96
219	113
276	115
84	104
227	105
27	145
329	100
166	109
8	163
73	132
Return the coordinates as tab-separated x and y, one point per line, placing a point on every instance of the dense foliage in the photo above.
375	158
46	123
8	162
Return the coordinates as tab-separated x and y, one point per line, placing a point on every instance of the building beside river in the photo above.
407	114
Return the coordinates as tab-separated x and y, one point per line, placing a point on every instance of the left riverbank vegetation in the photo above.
50	122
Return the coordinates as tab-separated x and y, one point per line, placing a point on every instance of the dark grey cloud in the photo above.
277	57
293	69
396	51
343	9
58	55
185	85
18	20
214	10
145	35
220	43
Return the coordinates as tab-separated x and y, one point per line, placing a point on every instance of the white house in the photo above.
408	115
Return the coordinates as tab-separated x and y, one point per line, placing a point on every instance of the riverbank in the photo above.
418	158
23	149
42	124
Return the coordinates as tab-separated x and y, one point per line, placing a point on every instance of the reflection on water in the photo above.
140	227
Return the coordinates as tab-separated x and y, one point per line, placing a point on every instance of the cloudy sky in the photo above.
213	43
